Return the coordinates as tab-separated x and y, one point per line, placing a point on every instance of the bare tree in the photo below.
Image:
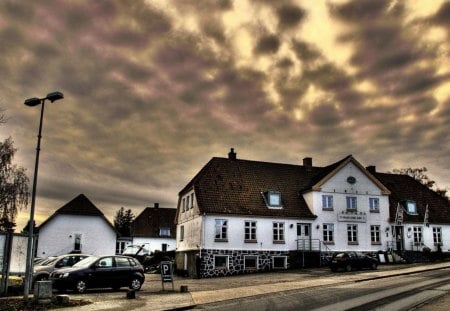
14	193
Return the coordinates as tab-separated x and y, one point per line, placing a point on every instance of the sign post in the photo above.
166	273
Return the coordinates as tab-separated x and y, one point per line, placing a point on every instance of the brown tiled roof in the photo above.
225	186
404	187
148	223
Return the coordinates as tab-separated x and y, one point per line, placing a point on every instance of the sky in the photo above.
154	89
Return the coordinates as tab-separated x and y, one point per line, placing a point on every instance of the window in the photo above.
221	262
351	203
106	262
120	246
187	203
164	231
352	234
375	234
250	231
328	230
183	205
374	205
437	235
327	202
77	244
417	234
221	230
250	262
278	232
279	262
192	200
411	207
272	199
122	262
181	233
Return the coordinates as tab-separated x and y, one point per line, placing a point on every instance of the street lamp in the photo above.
29	263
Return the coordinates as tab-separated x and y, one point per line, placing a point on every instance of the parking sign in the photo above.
166	272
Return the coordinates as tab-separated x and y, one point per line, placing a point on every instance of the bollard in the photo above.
131	294
43	292
184	289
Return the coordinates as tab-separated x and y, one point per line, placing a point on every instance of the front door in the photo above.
304	236
399	238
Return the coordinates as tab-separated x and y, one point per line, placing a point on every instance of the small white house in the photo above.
77	227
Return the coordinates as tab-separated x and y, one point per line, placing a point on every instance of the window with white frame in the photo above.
374	204
411	207
279	262
352	234
375	236
221	230
164	231
437	235
181	233
192	200
187	202
278	232
327	202
328	233
221	261
272	199
417	235
250	231
351	203
183	205
250	262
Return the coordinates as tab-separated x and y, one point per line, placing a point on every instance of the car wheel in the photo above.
348	268
80	286
135	283
374	266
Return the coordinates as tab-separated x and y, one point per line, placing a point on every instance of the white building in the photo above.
77	227
238	216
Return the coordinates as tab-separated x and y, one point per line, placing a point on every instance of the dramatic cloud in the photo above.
154	89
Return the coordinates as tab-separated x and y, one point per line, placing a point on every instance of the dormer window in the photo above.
272	199
411	207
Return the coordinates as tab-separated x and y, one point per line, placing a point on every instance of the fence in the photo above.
13	255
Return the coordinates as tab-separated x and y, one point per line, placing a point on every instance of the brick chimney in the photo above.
156	205
372	169
307	162
232	154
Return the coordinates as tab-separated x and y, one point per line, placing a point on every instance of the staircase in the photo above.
313	252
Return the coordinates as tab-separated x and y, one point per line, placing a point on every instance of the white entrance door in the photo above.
304	236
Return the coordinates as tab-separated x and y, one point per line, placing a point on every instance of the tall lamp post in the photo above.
29	263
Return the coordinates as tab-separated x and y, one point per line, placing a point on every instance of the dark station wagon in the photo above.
349	261
100	272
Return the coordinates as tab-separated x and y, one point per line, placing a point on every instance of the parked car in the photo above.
352	260
100	272
148	259
42	270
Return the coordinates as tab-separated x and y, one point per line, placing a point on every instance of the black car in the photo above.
352	260
100	272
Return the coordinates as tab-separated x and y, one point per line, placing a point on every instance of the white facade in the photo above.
58	236
363	190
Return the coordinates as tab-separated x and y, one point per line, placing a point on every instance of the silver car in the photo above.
43	270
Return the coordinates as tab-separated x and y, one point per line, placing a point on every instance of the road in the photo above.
395	293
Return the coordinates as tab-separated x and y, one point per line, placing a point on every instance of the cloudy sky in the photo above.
154	89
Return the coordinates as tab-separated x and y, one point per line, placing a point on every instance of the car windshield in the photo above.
85	262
